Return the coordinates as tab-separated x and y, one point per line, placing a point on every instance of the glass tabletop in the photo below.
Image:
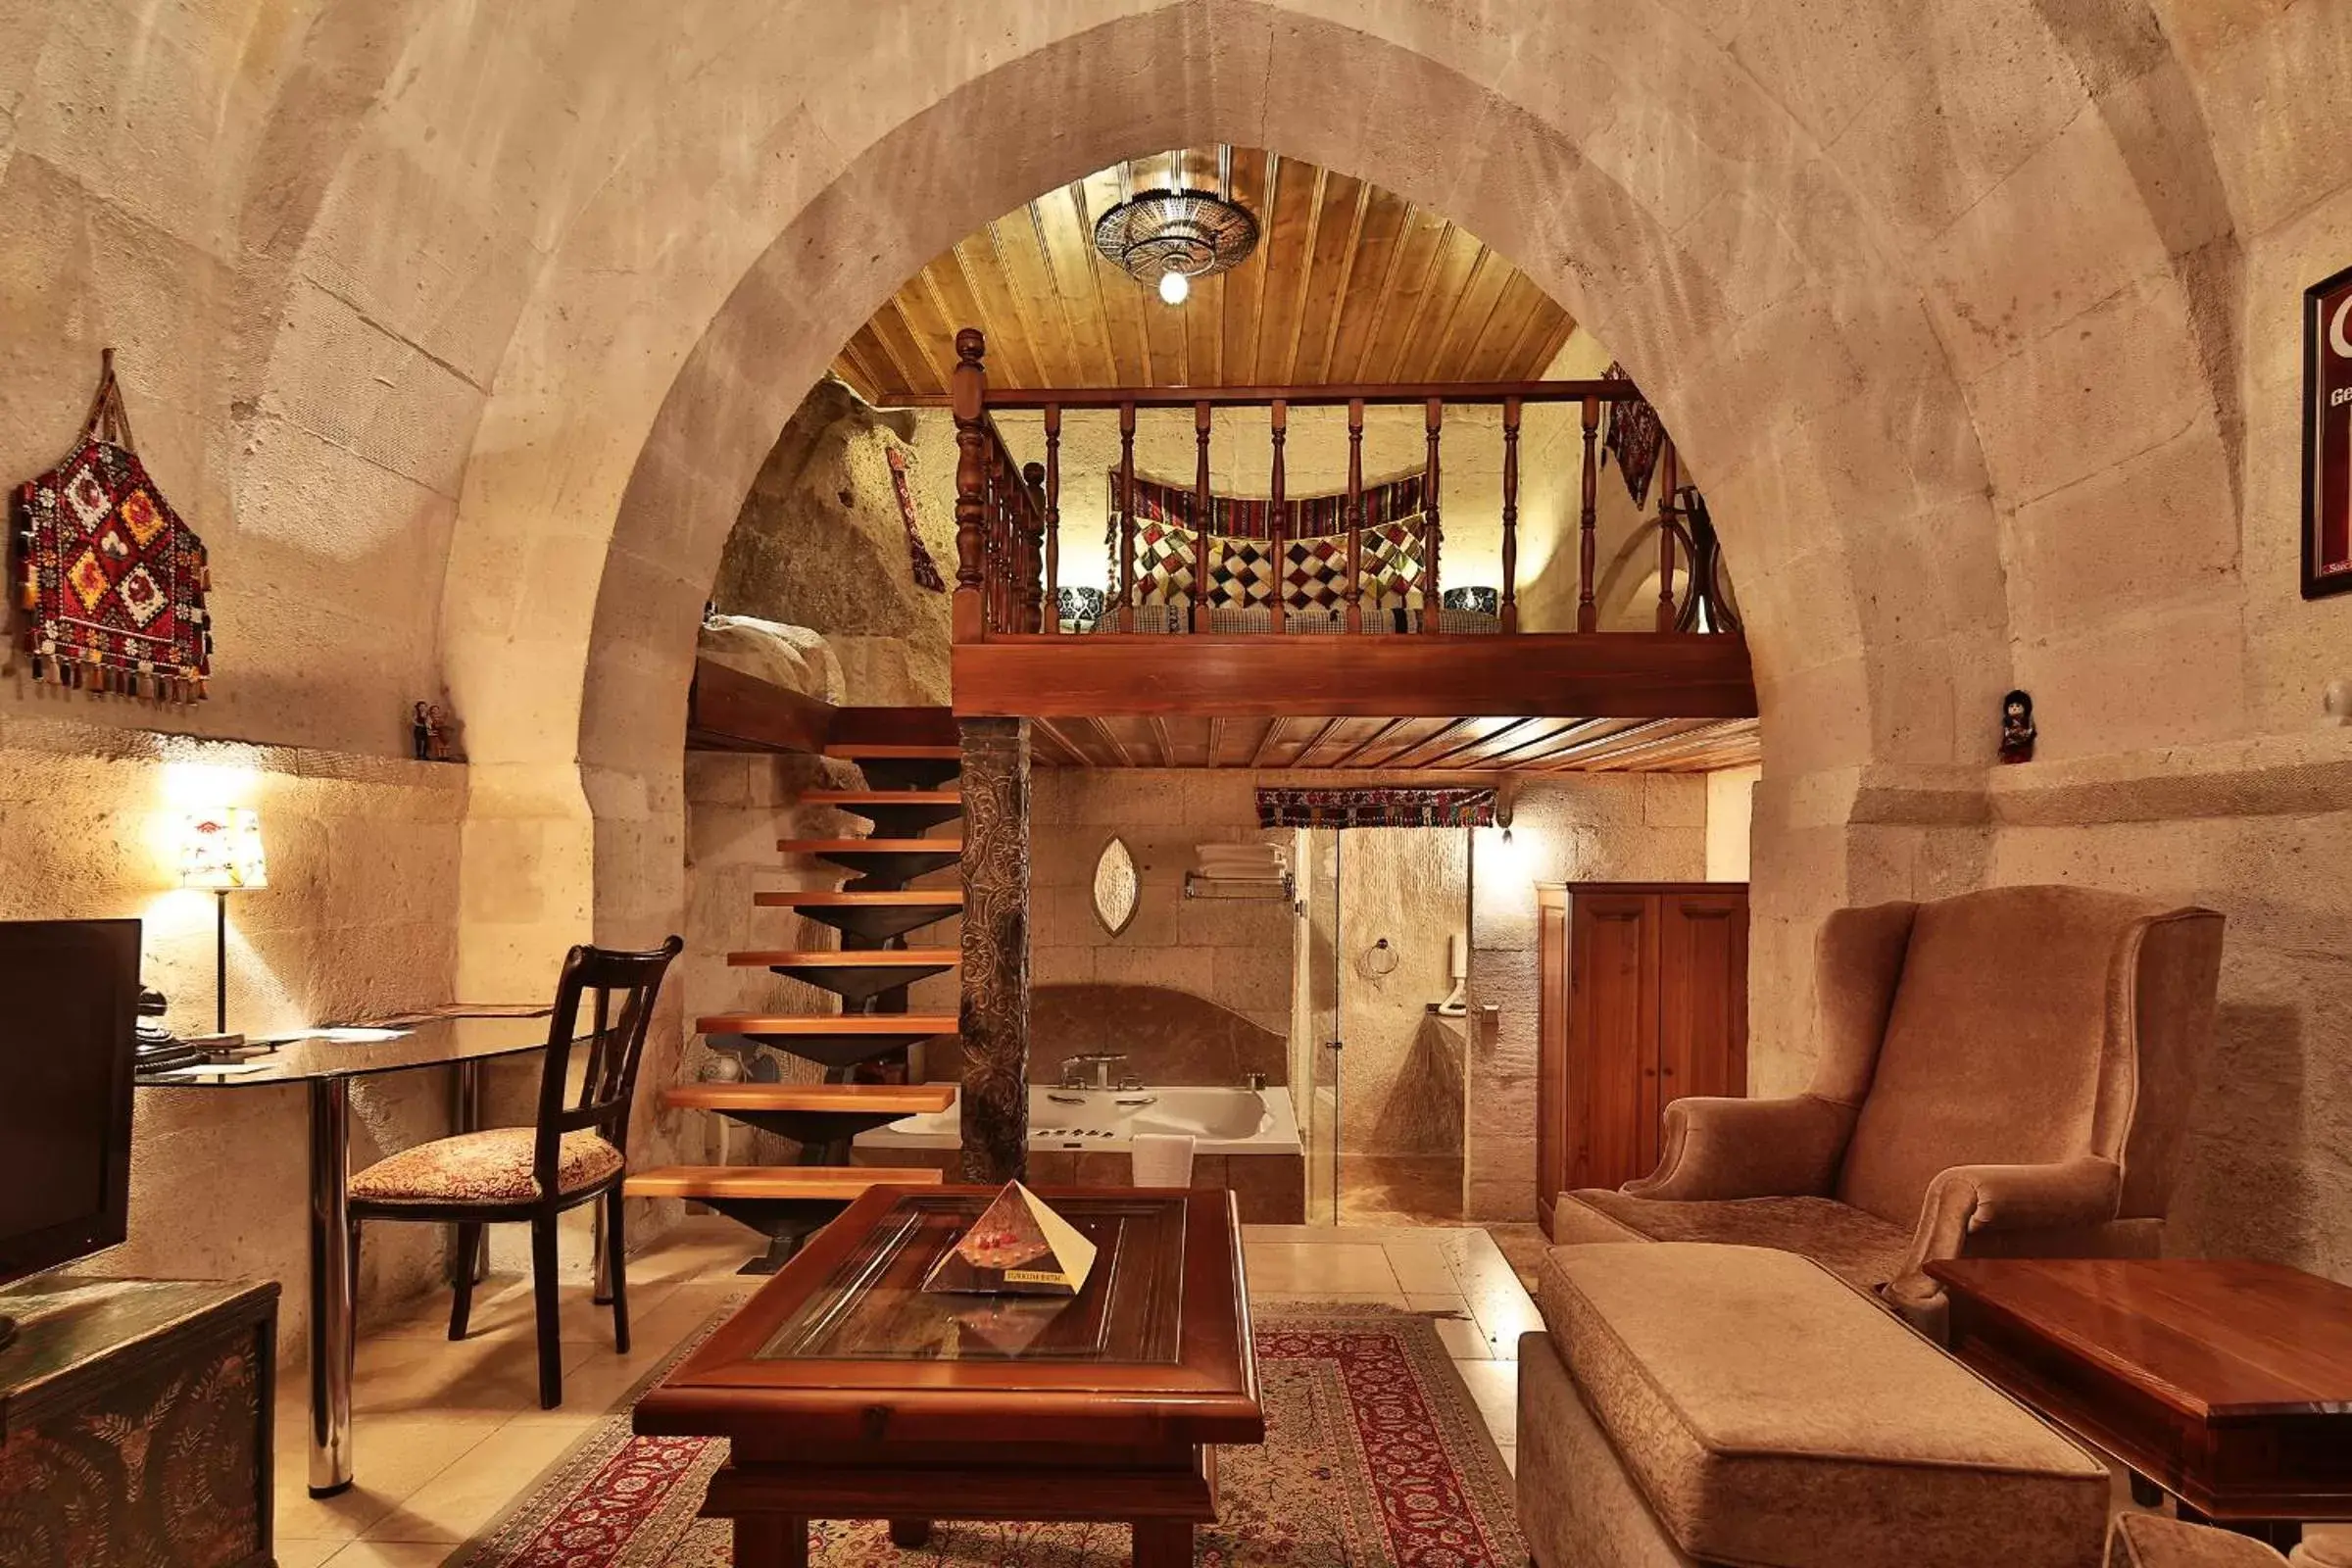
352	1053
872	1306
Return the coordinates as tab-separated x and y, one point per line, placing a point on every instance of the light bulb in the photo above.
1174	287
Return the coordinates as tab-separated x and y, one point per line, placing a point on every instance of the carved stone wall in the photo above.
995	948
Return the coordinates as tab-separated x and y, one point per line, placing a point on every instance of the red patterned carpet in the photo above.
1374	1454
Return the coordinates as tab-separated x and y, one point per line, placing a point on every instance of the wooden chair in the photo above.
573	1155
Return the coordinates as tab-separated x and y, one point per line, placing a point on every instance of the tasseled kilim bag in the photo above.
112	581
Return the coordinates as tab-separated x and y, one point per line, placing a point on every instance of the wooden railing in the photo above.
1008	519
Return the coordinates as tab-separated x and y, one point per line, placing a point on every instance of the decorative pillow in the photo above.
1166	564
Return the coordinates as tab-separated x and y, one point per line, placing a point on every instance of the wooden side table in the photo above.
2226	1383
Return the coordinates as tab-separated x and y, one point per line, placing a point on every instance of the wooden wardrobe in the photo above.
1643	1002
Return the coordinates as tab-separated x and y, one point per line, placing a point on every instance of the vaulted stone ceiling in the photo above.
1350	282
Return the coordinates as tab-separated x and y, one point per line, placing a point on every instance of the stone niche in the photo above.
821	542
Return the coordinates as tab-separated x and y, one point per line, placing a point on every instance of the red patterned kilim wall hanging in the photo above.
1635	438
112	581
1376	807
926	571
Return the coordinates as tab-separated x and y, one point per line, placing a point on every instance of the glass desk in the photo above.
326	1064
849	1392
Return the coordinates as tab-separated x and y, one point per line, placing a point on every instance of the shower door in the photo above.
1317	1020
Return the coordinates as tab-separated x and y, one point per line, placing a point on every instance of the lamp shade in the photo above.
221	852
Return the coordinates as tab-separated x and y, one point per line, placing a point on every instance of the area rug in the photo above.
1374	1454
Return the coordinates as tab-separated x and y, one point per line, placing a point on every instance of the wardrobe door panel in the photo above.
1613	1035
1702	1012
1551	1051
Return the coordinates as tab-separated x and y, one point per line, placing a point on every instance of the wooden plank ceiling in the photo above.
1350	282
1416	744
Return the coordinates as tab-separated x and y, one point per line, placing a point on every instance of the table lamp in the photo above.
221	852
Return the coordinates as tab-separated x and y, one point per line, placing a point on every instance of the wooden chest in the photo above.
135	1424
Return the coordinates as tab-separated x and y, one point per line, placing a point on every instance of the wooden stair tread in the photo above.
915	1024
852	751
870	845
901	1100
838	1183
853	958
902	899
939	797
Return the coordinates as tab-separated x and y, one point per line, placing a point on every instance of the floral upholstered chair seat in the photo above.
484	1167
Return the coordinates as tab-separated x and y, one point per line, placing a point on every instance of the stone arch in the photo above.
1873	371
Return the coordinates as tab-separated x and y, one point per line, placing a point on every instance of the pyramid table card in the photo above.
1017	1247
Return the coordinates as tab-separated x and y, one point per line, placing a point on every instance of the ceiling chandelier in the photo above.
1167	238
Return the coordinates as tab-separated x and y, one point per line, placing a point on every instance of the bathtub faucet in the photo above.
1094	1071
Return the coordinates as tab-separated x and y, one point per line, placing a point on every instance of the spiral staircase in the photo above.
910	790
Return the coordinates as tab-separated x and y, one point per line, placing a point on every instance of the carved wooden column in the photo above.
995	1015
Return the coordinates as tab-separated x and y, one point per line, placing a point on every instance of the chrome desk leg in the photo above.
332	1305
465	1116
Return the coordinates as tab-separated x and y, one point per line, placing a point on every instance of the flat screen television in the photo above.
69	1018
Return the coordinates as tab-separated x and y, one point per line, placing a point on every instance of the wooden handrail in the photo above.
1374	393
1007	536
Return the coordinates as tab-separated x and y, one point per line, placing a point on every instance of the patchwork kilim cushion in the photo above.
1242	574
112	581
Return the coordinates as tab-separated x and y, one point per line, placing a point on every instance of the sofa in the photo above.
1697	1403
2007	1072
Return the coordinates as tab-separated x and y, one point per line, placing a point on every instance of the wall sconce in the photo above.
220	853
1502	814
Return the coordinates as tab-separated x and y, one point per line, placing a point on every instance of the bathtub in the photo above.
1101	1121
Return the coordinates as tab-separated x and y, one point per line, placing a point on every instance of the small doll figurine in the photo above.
444	734
421	733
2017	728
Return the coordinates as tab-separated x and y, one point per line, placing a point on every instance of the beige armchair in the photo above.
2005	1072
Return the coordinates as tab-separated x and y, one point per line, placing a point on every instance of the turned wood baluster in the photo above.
1432	531
1667	480
1000	489
1200	519
1277	613
1033	548
968	393
1355	515
1588	614
1510	515
1126	516
1052	608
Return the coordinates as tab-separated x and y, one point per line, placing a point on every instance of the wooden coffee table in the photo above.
2228	1383
849	1394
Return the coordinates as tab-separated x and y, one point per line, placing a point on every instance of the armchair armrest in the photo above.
1723	1148
1978	1200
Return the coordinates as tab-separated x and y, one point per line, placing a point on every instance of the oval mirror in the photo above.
1118	889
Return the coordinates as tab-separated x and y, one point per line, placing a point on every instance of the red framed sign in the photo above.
2327	437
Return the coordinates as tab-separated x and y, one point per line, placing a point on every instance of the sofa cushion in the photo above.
2152	1541
1860	1248
1773	1415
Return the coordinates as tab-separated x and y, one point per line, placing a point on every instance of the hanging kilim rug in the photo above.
1376	807
1366	1419
1635	436
111	582
926	571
